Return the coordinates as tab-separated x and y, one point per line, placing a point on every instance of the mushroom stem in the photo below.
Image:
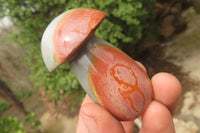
80	64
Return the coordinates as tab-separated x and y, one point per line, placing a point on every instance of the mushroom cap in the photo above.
65	35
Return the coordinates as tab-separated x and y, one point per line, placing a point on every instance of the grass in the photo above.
3	107
24	94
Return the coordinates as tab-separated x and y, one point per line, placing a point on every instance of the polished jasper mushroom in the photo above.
110	77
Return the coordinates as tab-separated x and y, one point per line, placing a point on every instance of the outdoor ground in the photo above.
179	56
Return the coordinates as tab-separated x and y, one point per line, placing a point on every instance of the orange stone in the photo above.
73	30
118	83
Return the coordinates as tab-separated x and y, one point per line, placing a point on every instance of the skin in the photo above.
158	117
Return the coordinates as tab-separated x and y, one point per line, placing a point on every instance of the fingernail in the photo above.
90	123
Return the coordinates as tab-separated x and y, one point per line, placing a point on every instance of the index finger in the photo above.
167	90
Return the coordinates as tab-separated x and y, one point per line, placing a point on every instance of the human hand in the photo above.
156	119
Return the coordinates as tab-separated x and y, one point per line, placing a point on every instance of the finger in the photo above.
157	119
167	90
81	127
128	126
87	99
96	119
142	66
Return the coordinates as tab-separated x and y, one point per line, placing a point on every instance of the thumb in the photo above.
99	120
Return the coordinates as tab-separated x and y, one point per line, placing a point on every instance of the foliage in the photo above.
11	125
24	94
125	24
31	118
3	106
